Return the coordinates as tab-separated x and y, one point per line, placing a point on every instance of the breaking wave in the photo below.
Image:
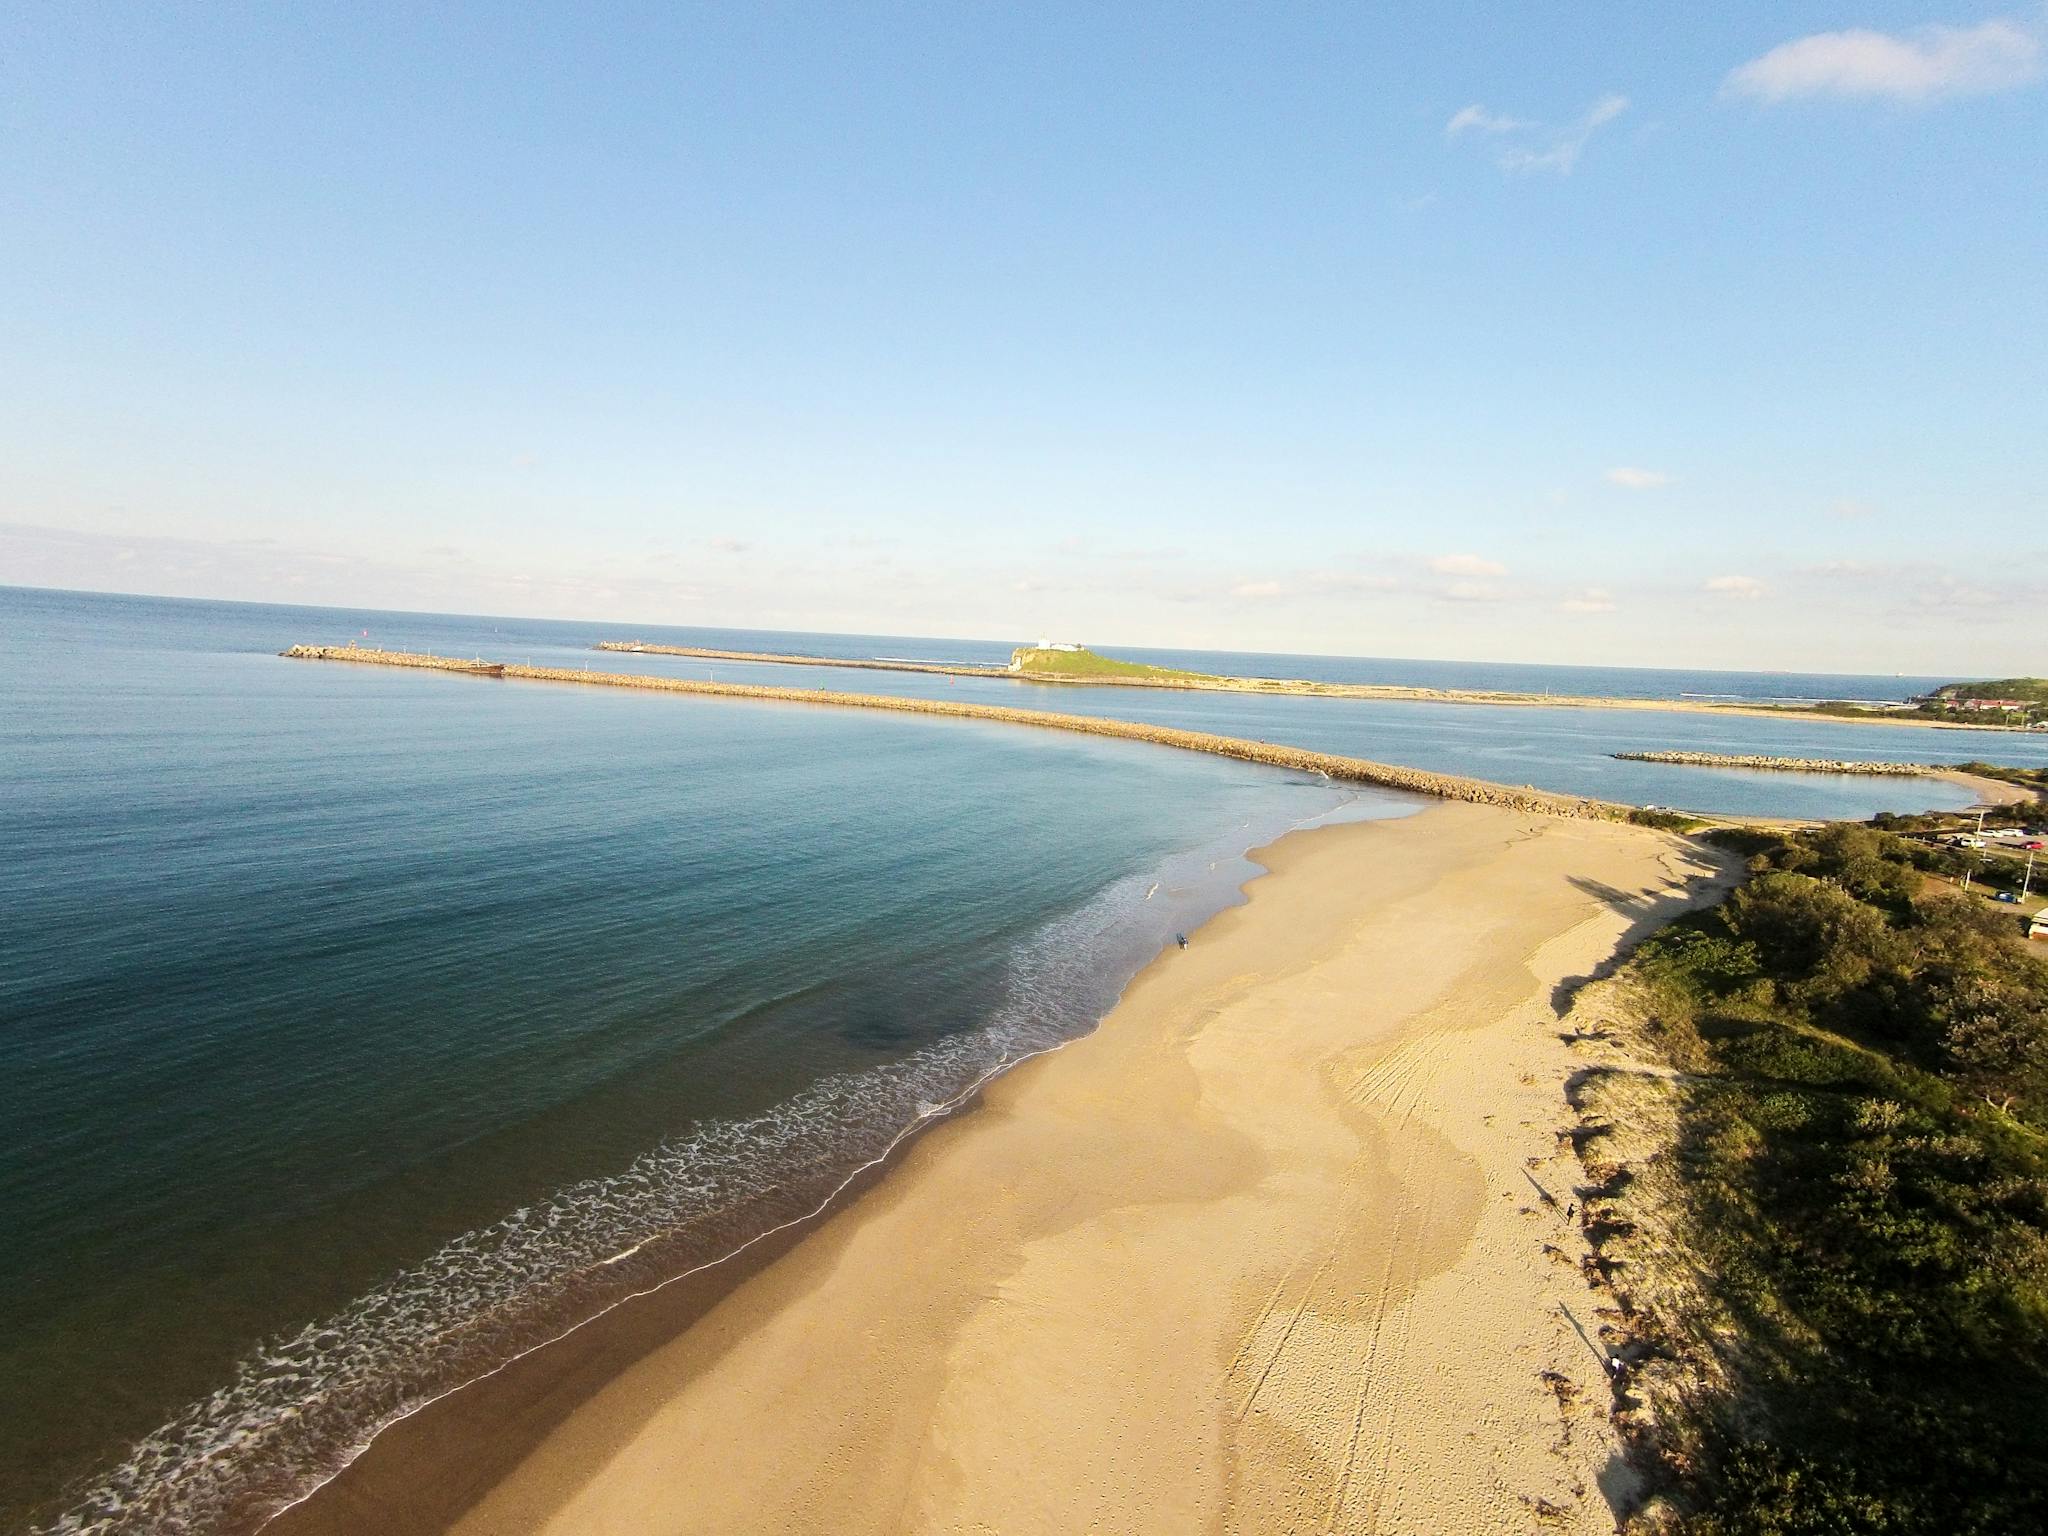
299	1409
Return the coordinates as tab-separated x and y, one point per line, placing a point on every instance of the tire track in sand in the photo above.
1395	1086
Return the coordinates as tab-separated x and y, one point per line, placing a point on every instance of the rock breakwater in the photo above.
1782	764
874	664
1355	770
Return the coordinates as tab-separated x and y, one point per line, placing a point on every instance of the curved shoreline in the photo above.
1307	1141
525	1390
314	1513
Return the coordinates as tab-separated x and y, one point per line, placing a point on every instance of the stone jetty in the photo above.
702	653
1782	764
1355	770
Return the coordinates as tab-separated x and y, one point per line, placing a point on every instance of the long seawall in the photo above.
1784	764
703	653
1357	770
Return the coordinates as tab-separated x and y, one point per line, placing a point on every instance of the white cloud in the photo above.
1476	119
1466	565
1529	146
1850	511
1590	600
1949	594
1350	581
1632	479
1735	586
725	544
1257	589
1921	65
1470	592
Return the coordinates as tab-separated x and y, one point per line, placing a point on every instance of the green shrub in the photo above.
1864	1160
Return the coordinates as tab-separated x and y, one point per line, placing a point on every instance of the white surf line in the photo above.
948	1107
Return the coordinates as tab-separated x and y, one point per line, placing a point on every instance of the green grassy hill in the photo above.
2034	690
1084	663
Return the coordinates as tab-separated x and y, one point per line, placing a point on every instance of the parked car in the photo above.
2036	844
2006	896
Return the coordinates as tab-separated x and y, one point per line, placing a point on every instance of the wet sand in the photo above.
1266	1252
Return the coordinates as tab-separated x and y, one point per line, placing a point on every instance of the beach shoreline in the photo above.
1189	1272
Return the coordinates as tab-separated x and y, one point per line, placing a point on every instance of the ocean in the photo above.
361	1029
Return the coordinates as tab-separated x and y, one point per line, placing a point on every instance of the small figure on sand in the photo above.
1181	939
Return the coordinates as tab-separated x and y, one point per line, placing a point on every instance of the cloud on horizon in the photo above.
1469	592
1466	565
1522	146
1591	600
1923	65
1630	478
1734	586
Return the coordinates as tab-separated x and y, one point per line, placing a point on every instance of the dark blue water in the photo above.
359	1028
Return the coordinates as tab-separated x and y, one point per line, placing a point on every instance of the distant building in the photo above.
2037	925
1060	645
1994	704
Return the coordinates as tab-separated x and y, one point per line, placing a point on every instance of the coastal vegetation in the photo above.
1978	706
2016	701
2029	690
1069	665
1857	1191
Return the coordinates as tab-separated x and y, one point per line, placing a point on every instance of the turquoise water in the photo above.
359	1028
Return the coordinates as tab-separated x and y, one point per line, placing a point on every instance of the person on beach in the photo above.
1181	939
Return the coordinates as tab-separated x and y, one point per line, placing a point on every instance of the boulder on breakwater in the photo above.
1355	770
1780	764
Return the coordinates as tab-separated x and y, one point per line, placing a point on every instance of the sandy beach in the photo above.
1274	1250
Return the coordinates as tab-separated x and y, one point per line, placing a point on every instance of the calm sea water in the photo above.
359	1028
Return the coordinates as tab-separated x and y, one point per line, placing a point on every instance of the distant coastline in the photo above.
1134	676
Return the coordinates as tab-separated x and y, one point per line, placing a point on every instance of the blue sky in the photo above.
1669	335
